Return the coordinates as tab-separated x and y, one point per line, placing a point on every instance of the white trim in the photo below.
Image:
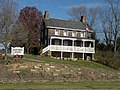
74	49
74	33
65	32
82	34
88	40
57	32
55	37
65	28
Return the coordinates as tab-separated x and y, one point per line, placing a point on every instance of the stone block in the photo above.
47	69
36	67
16	71
34	71
23	67
46	64
52	66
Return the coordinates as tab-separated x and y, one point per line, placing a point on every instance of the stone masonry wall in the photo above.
52	72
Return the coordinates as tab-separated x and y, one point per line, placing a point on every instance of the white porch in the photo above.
70	45
69	49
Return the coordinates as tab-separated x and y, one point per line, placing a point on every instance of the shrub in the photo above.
109	59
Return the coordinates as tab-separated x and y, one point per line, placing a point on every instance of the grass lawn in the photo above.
115	85
82	63
61	85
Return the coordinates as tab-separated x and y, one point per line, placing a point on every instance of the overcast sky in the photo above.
58	8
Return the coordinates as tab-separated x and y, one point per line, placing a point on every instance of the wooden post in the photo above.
61	55
83	56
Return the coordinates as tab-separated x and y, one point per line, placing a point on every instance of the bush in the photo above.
109	59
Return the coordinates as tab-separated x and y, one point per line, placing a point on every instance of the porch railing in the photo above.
46	49
69	49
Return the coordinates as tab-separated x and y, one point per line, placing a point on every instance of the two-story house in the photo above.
67	39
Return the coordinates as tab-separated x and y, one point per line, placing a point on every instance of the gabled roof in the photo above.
65	23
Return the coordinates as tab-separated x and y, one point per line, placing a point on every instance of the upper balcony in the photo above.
69	33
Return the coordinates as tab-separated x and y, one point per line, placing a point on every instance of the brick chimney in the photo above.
83	19
46	15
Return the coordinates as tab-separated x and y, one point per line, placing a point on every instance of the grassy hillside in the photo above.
85	85
46	73
78	63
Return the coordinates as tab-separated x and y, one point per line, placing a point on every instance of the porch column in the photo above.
94	44
83	43
50	41
84	50
62	49
72	55
61	55
73	49
62	42
49	52
83	56
94	51
93	57
73	43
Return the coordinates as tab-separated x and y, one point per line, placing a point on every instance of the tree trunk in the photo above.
5	51
115	45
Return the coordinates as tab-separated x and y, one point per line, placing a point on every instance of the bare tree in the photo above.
90	13
110	21
77	12
8	13
18	35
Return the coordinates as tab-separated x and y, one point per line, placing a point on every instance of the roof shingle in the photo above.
65	23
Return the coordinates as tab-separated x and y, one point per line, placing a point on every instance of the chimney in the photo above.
83	19
46	15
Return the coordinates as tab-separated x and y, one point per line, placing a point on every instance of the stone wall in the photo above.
52	72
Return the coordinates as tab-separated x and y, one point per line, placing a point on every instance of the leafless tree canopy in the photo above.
19	35
108	15
110	21
90	13
8	13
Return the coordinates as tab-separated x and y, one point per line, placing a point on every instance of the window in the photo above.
57	42
65	33
57	32
65	43
74	34
45	32
82	34
45	42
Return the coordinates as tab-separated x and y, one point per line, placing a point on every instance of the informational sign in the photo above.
17	50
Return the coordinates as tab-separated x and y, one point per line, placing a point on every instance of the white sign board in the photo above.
17	50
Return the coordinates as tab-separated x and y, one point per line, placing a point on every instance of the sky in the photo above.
1	46
58	8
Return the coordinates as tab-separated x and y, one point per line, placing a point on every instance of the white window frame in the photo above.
82	34
74	33
65	33
57	32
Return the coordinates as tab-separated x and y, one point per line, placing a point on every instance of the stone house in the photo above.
67	39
